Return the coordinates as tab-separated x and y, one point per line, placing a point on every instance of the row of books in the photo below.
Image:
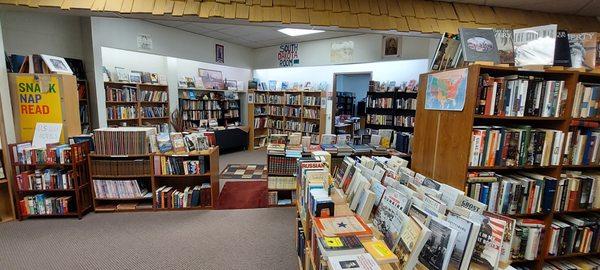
404	121
260	122
520	96
391	120
274	199
586	103
260	98
392	86
123	140
406	103
519	193
275	111
181	143
292	99
154	96
581	147
231	104
518	146
201	115
280	165
25	153
312	101
276	99
380	102
311	113
574	233
170	197
577	191
200	105
125	94
527	239
120	189
154	111
120	167
45	179
194	165
282	182
121	112
205	95
40	204
260	110
231	113
292	111
573	263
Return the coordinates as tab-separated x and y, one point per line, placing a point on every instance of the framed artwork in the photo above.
391	46
219	53
211	79
135	76
56	64
122	74
231	85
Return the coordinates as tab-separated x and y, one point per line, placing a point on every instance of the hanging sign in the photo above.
287	56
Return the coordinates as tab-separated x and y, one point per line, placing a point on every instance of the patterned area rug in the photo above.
245	172
245	186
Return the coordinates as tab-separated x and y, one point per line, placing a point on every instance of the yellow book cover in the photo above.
380	252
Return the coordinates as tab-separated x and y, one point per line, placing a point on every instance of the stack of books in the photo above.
120	189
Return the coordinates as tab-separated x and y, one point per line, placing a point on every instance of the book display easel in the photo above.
200	106
51	182
155	187
506	138
283	112
137	104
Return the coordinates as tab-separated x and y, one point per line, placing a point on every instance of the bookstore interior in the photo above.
300	134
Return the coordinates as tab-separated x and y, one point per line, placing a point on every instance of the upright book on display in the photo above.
504	41
437	251
479	45
583	50
535	45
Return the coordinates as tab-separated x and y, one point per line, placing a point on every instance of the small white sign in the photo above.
144	42
46	133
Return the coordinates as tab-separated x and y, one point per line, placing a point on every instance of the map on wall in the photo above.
446	90
287	56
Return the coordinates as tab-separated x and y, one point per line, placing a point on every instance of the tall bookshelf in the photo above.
197	109
85	114
285	112
146	171
143	109
345	103
442	141
396	113
80	201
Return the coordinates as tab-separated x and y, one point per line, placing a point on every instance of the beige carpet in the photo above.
216	239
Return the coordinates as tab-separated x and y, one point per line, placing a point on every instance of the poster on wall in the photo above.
342	52
446	91
38	101
391	47
46	133
287	56
219	53
211	79
144	42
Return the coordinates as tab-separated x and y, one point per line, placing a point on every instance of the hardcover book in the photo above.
535	45
390	215
562	53
479	45
438	248
504	41
359	262
446	52
412	240
583	50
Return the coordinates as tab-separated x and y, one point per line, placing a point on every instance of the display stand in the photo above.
443	140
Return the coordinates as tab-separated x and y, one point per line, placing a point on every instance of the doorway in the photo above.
349	95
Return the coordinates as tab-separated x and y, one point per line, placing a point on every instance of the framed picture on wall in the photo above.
391	46
219	53
135	76
211	79
231	85
122	74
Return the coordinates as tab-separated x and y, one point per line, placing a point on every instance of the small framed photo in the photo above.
231	85
122	74
219	53
56	64
391	46
154	78
135	76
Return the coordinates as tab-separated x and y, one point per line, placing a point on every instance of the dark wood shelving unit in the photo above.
152	181
80	193
448	160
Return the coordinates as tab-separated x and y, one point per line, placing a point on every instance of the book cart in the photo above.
447	160
146	170
138	103
81	200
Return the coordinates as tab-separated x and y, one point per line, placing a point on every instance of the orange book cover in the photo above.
343	225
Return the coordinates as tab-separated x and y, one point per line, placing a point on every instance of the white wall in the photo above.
367	48
172	67
42	33
167	42
9	124
399	71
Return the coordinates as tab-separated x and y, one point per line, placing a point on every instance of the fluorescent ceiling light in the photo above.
294	32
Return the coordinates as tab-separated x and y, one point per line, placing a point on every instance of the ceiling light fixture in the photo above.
294	32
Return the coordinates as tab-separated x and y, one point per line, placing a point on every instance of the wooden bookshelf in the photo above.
443	139
85	113
80	193
229	111
151	180
263	132
139	105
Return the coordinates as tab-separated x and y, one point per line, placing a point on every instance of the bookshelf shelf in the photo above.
572	255
135	102
79	198
151	181
448	159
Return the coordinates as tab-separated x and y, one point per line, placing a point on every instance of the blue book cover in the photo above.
548	195
506	198
485	192
588	146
